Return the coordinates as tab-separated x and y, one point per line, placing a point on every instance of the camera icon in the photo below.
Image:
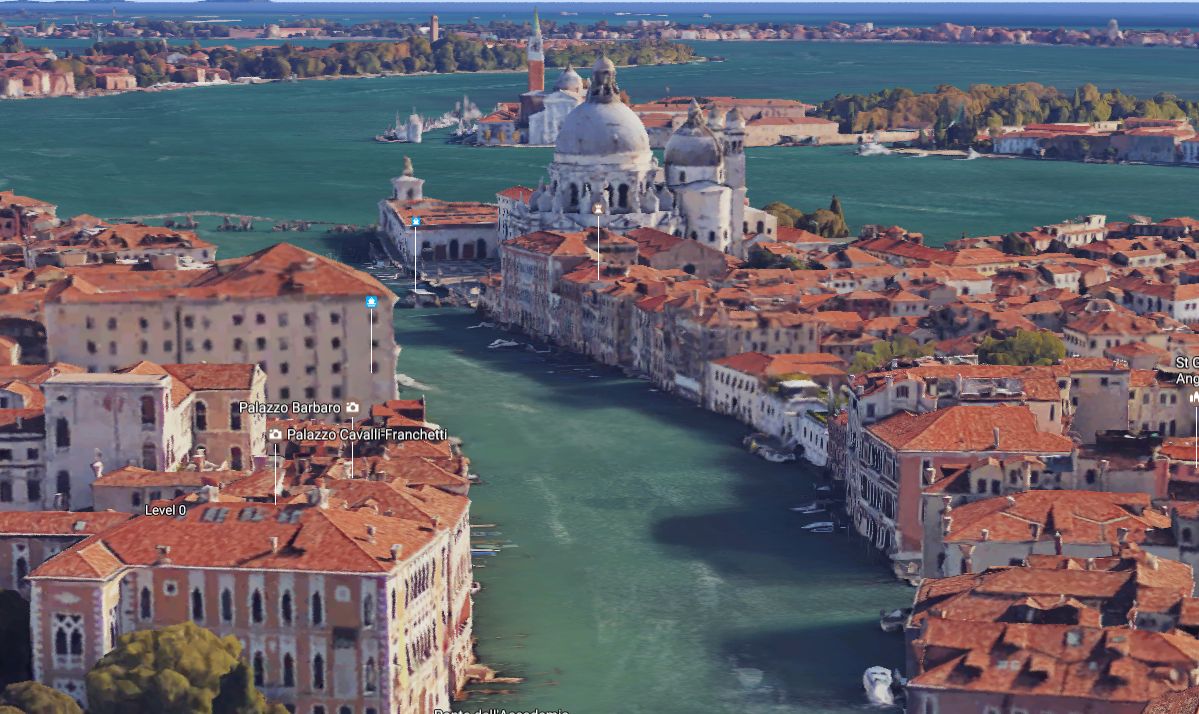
352	408
274	434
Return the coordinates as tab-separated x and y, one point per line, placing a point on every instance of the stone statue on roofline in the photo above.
408	171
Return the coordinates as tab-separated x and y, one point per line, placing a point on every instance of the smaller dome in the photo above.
603	64
693	143
569	81
734	119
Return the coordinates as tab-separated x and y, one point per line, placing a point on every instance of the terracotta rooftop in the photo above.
969	428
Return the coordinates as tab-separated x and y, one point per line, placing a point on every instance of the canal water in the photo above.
655	566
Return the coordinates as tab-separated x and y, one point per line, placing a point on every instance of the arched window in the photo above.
370	676
682	177
711	236
289	670
368	610
201	420
480	249
197	605
259	670
236	462
22	571
318	609
235	419
761	226
149	417
149	457
144	604
256	606
454	249
285	607
622	196
226	605
62	433
62	482
574	195
318	672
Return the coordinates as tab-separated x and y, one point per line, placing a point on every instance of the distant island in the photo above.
119	65
1029	119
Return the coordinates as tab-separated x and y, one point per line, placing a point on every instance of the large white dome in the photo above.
595	129
603	124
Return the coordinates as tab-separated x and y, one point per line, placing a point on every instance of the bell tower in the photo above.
536	57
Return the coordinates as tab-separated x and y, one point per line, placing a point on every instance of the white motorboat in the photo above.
775	457
894	620
819	527
809	508
877	683
501	344
482	324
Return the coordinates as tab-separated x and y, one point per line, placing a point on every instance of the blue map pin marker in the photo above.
372	302
416	220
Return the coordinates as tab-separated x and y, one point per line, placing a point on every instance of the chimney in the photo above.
164	553
97	468
209	493
929	475
274	544
1121	535
259	461
1057	542
198	458
1035	530
995	438
370	534
1011	500
967	558
1153	561
319	497
946	523
1090	564
985	534
397	552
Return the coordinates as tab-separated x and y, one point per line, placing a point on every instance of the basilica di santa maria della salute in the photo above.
604	172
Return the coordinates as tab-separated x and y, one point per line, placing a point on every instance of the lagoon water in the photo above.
304	150
657	568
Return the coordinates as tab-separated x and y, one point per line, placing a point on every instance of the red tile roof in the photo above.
969	428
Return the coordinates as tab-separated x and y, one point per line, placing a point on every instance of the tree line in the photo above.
952	118
146	59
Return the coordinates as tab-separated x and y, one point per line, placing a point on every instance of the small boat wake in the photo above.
502	344
971	155
873	148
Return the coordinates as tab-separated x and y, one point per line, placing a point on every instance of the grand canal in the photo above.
656	567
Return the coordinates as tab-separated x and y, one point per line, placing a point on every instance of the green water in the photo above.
304	150
658	569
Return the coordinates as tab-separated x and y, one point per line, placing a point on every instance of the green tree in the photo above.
787	216
180	669
884	351
35	698
1025	348
443	59
276	68
1015	245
